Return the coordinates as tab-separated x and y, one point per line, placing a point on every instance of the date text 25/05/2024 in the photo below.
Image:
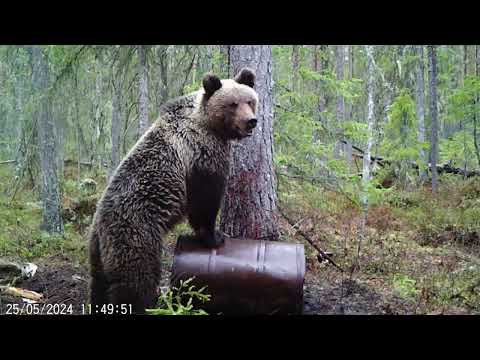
38	309
66	309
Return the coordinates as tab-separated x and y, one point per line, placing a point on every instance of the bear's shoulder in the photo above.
179	109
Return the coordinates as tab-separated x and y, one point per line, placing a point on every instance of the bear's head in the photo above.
231	104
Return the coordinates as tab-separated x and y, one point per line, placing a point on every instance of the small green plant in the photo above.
179	300
405	287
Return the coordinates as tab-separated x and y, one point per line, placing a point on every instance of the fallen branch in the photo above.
322	256
66	162
75	162
445	168
17	292
378	159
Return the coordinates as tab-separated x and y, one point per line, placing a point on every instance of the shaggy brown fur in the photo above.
177	169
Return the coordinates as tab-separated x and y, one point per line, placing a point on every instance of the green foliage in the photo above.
460	287
189	88
462	104
405	286
459	149
179	300
401	144
20	229
401	132
356	131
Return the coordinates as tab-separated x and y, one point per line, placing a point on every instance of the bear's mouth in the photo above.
243	133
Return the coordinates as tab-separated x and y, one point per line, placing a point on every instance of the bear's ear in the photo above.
246	76
211	83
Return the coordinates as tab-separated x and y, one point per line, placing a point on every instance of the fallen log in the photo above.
444	168
378	159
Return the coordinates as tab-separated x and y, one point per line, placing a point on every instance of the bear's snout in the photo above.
251	124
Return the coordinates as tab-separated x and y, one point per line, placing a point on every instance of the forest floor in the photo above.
61	282
418	255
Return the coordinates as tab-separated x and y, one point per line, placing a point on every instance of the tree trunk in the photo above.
350	76
250	199
340	73
164	76
420	102
60	143
319	65
349	113
477	100
315	57
370	119
432	61
340	107
52	220
323	65
295	66
115	129
98	116
225	65
77	130
143	122
20	153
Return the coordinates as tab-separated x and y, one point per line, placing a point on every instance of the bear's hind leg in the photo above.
133	298
98	287
134	278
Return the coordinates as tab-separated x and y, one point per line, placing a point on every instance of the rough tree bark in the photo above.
432	63
370	120
20	151
319	65
323	65
475	111
295	66
351	75
420	103
143	122
340	106
250	199
116	128
77	129
52	220
225	65
315	57
98	115
162	56
349	114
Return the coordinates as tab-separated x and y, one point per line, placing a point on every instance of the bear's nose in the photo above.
251	123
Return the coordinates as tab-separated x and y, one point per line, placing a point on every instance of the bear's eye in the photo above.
250	103
233	104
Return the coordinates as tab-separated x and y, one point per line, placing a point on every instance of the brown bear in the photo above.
177	169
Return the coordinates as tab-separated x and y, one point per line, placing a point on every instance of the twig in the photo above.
322	254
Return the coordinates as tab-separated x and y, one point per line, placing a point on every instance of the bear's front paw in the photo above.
219	238
213	239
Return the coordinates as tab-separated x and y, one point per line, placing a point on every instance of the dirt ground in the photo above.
63	283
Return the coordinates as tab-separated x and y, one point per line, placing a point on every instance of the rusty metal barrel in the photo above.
244	276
